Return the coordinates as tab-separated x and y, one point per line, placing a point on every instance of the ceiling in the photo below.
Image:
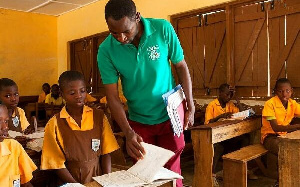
48	7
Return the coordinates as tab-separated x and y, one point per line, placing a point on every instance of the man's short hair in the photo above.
6	82
117	9
69	76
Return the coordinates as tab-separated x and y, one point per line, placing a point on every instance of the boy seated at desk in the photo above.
46	90
54	98
15	165
9	96
223	108
277	114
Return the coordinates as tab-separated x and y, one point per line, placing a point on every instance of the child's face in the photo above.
284	91
226	95
46	89
3	123
74	93
10	96
55	90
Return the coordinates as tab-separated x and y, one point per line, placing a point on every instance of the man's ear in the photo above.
138	17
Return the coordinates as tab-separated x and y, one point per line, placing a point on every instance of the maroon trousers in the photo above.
162	135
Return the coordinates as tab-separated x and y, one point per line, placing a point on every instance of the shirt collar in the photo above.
64	113
148	30
278	102
4	151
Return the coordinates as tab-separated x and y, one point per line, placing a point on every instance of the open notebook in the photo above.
146	172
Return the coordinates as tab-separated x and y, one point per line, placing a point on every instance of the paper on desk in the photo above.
72	185
35	144
14	134
243	114
155	158
144	172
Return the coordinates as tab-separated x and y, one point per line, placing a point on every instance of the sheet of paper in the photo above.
72	185
14	134
34	135
155	158
119	179
35	144
164	173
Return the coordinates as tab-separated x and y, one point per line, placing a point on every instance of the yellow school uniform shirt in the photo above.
23	120
215	109
52	155
274	109
89	98
58	101
14	163
42	97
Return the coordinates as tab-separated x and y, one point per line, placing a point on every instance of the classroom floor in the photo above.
187	167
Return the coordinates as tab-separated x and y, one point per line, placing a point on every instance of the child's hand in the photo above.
29	130
226	115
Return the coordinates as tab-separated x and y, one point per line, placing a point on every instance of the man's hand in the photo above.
133	146
189	118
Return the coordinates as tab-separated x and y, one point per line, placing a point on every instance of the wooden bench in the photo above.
235	164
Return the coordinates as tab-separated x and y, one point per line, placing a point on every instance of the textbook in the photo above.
148	171
176	106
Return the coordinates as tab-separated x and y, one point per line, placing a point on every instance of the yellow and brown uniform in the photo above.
21	122
15	164
66	145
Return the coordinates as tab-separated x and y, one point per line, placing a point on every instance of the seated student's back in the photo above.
77	136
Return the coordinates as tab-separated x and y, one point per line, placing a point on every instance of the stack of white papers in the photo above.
148	171
175	102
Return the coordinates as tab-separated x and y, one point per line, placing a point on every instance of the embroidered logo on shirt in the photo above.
95	144
153	52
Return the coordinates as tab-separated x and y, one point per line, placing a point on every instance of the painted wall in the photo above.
28	49
90	20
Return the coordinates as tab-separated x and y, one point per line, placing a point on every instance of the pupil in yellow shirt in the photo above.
46	90
77	140
9	96
277	114
16	166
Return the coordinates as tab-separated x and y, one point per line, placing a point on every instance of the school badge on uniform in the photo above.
95	144
153	52
16	183
15	121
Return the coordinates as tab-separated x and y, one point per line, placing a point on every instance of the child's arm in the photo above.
281	128
225	115
105	163
65	175
28	184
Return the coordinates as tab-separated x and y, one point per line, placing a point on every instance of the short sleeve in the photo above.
175	53
209	113
109	74
23	119
108	140
26	166
268	109
297	110
52	155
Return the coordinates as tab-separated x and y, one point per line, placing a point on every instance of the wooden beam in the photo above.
230	44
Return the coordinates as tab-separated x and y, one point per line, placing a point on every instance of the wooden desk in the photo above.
288	160
203	138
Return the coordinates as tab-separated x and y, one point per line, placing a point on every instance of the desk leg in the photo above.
234	173
203	158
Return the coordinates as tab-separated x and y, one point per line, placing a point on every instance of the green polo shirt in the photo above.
145	71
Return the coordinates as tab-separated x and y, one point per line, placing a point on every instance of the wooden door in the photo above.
82	60
203	40
284	28
250	50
